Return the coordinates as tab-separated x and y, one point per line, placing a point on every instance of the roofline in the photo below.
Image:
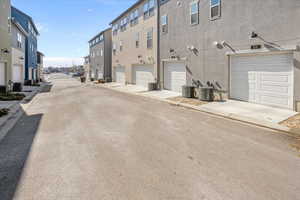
40	53
18	25
99	34
126	11
30	18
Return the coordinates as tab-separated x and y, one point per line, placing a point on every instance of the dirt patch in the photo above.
194	102
293	122
296	146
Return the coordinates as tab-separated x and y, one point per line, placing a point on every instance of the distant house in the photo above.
18	43
100	56
134	41
5	48
31	73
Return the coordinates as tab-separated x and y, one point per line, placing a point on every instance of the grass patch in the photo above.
12	97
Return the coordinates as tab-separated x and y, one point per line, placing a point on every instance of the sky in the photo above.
66	26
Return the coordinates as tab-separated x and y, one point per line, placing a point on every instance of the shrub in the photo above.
3	111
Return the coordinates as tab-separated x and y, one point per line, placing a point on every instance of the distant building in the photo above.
87	67
100	55
27	23
134	37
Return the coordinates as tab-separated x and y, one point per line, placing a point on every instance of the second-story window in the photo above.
149	8
114	49
121	45
194	12
19	40
150	38
215	9
137	40
164	23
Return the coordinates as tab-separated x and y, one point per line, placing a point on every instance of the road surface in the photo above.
79	142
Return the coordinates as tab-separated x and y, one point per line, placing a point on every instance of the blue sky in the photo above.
67	25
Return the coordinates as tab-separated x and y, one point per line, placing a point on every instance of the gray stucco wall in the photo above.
275	20
14	37
102	63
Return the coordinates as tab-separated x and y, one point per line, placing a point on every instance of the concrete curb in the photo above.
264	124
16	112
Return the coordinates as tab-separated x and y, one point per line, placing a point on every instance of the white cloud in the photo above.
62	61
90	10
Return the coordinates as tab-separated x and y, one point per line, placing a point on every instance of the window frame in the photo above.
197	13
219	10
166	24
149	38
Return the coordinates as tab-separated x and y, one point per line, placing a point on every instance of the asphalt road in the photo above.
79	142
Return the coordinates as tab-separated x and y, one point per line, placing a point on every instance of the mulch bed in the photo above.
194	102
293	122
12	97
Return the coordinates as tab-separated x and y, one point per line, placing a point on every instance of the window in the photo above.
137	40
115	29
194	12
215	9
149	8
101	38
114	49
101	52
134	17
150	39
121	45
164	23
19	40
124	24
97	40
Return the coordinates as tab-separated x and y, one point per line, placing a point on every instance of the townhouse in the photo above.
86	65
31	72
100	56
5	48
18	37
134	44
40	65
250	49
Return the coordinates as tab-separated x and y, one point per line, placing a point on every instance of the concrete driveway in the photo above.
80	142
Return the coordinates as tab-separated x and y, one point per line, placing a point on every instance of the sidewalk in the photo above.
259	115
16	109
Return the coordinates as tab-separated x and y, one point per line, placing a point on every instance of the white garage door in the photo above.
17	74
142	75
174	76
2	74
120	74
263	79
29	73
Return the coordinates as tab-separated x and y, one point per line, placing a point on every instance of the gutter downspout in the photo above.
158	45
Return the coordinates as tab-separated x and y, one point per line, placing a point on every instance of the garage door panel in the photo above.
174	76
142	75
17	74
120	75
263	79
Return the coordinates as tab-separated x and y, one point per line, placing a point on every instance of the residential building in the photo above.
31	43
40	66
5	48
86	66
248	49
134	47
18	38
100	55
